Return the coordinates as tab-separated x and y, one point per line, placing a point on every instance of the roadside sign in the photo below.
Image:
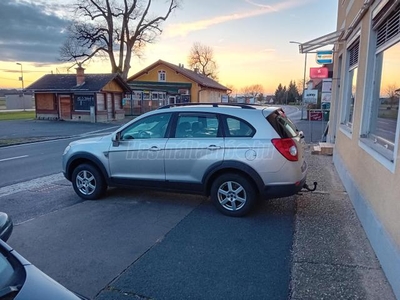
326	97
310	96
319	73
315	115
327	85
324	57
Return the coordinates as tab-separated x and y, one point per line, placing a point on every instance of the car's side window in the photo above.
154	126
197	125
238	128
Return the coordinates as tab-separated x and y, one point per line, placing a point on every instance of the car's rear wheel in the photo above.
233	194
88	182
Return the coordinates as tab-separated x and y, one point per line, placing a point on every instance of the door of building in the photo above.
65	108
110	114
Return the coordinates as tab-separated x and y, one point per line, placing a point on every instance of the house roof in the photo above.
67	82
196	77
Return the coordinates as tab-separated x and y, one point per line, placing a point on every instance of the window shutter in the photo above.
354	50
389	29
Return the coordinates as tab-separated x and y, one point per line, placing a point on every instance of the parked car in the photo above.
232	153
19	279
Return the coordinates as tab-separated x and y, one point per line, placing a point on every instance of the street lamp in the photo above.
22	81
304	75
22	77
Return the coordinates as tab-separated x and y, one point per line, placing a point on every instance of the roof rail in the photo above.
241	105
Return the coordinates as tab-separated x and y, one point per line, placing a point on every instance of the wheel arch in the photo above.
85	158
232	167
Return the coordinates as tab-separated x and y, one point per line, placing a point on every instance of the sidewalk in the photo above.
332	257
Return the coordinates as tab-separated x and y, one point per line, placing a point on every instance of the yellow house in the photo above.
164	83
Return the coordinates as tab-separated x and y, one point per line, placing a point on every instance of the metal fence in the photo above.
314	124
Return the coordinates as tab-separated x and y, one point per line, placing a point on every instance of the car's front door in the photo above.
196	145
139	154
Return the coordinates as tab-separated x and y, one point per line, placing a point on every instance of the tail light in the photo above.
287	147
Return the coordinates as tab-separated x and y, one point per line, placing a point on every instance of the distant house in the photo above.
71	96
164	83
270	99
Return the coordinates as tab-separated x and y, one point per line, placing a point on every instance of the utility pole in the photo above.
304	75
22	91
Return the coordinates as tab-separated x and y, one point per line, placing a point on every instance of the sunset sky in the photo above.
250	38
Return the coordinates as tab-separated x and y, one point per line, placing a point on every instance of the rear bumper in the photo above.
284	190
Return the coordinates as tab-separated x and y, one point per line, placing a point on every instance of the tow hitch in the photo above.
306	188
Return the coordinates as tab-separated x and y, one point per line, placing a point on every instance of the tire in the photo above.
233	194
88	182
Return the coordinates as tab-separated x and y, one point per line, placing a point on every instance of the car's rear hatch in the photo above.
289	143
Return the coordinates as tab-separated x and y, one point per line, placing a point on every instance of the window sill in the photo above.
346	130
384	156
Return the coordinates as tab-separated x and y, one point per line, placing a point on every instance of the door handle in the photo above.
214	147
154	148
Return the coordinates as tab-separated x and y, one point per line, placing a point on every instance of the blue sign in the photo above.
324	57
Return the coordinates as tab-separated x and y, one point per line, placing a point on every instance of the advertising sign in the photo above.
327	85
310	96
318	73
326	97
83	102
324	57
315	115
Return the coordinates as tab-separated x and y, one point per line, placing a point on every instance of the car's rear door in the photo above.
195	145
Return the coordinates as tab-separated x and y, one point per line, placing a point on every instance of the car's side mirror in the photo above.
116	139
6	226
301	134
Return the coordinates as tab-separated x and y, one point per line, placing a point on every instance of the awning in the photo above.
328	39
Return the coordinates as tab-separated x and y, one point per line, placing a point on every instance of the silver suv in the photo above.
232	153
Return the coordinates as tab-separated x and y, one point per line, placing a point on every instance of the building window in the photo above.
351	87
385	102
161	75
382	110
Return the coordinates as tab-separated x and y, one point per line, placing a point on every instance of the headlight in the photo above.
67	149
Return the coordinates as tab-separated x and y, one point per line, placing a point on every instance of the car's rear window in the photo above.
282	124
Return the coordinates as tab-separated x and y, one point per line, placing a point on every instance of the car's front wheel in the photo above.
233	194
88	182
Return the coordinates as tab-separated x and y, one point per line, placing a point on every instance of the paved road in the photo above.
171	244
28	161
40	128
175	243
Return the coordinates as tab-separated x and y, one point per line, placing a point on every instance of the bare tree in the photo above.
392	92
114	29
231	89
253	90
201	58
300	85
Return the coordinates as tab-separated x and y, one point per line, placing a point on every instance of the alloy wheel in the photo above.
86	182
232	195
